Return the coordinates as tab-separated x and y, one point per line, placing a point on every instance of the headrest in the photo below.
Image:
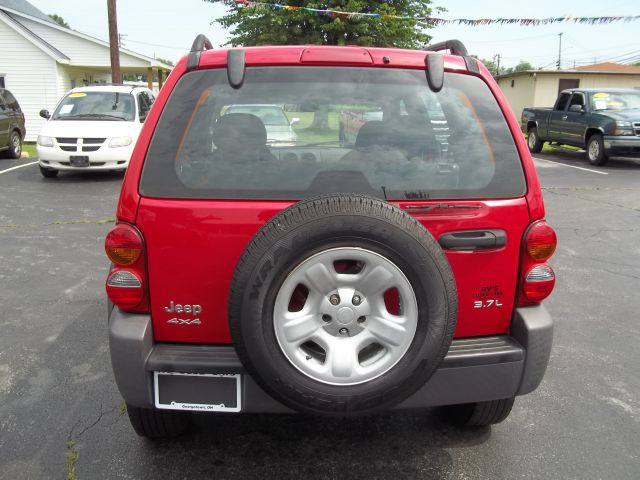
239	130
374	132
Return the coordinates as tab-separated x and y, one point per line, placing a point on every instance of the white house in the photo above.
40	60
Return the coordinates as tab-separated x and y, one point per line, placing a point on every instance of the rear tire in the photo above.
480	414
534	142
48	172
595	150
158	424
15	145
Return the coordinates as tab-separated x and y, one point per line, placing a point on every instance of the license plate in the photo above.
79	160
197	392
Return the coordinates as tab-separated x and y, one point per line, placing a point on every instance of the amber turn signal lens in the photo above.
541	252
123	255
123	245
541	241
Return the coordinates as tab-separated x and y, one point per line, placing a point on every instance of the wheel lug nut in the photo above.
361	319
356	300
334	299
326	318
343	331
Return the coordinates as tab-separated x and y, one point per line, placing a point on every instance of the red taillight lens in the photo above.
541	241
124	289
537	277
126	285
123	245
539	282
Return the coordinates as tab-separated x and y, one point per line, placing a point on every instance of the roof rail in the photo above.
200	44
455	46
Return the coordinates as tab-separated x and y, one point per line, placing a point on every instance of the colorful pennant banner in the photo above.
434	21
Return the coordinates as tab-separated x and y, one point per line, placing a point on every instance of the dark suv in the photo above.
12	129
404	268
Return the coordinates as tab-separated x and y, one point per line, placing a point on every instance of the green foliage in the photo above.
491	66
520	67
59	20
166	61
263	26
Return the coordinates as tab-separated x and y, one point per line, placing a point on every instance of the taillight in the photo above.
126	286
537	278
540	241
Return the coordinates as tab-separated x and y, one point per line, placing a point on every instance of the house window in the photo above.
2	81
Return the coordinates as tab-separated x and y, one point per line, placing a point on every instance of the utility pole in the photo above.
116	77
559	64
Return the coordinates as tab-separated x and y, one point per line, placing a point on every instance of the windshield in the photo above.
380	132
269	114
96	106
615	100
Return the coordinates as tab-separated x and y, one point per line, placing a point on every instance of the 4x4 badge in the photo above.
184	321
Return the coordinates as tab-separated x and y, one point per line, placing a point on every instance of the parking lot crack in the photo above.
75	436
97	221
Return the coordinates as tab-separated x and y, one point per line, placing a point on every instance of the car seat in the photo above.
240	138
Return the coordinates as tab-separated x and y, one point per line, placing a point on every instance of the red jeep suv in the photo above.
402	266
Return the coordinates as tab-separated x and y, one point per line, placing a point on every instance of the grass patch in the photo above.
72	459
306	134
123	408
102	221
30	149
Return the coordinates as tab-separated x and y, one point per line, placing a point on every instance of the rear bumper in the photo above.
475	369
625	146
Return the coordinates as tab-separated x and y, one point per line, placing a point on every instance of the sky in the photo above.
166	28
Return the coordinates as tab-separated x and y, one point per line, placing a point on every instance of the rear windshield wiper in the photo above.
439	206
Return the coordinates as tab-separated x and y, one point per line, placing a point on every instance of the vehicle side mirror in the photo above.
45	114
576	108
295	120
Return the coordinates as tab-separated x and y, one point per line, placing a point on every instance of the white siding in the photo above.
30	75
71	77
80	51
519	93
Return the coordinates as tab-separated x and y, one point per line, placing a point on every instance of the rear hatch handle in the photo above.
473	240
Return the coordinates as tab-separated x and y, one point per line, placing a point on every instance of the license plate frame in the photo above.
79	160
223	391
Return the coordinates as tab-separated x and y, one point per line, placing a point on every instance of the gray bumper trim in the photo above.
532	327
475	369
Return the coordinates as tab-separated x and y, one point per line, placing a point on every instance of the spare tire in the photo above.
342	304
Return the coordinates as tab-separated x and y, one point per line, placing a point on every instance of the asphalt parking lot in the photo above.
58	400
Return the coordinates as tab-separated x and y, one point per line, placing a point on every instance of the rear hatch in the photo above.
212	179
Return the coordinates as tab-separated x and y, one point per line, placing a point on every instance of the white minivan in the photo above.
93	129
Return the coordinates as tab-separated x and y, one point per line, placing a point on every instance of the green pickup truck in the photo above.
605	122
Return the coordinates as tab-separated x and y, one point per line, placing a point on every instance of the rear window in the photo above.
292	132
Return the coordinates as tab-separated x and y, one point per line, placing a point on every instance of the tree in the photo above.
520	67
490	64
166	61
59	20
261	25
